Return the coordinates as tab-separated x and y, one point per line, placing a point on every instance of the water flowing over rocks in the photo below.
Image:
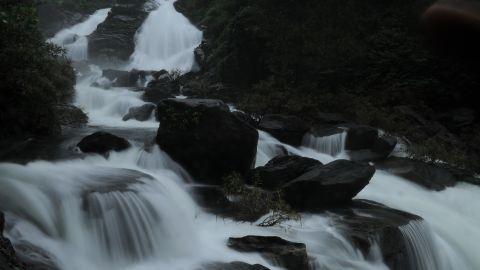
287	129
8	259
368	224
280	252
142	113
280	170
206	138
325	185
114	38
102	143
430	176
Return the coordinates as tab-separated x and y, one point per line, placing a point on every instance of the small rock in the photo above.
141	113
232	266
102	143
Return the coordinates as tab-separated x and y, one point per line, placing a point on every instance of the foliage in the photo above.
360	58
34	75
254	202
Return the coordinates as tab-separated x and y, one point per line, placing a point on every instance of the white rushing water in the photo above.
74	39
166	40
131	210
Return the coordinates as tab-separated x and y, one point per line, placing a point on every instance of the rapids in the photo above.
132	209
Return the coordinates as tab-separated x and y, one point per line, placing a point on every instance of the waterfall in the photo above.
451	214
332	145
421	247
166	40
74	39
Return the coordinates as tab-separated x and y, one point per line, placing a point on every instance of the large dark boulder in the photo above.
365	144
206	138
232	266
102	143
141	113
280	252
115	37
212	199
363	221
325	185
430	176
287	129
280	170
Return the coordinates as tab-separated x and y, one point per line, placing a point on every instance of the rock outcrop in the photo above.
326	185
206	138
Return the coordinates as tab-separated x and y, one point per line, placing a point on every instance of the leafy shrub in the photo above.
34	75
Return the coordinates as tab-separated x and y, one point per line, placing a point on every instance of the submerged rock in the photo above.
206	138
232	266
287	129
280	252
280	170
427	175
102	143
141	113
325	185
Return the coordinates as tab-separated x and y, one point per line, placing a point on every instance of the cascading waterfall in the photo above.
131	210
166	40
420	246
74	39
333	145
445	212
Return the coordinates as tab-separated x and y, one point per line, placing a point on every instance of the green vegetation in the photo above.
253	202
34	75
359	58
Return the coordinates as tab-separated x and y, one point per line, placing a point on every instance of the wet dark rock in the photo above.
141	113
330	119
325	185
213	199
200	55
287	129
69	115
206	138
232	266
427	175
114	38
121	78
280	252
246	118
8	258
102	143
280	170
363	221
365	144
164	86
